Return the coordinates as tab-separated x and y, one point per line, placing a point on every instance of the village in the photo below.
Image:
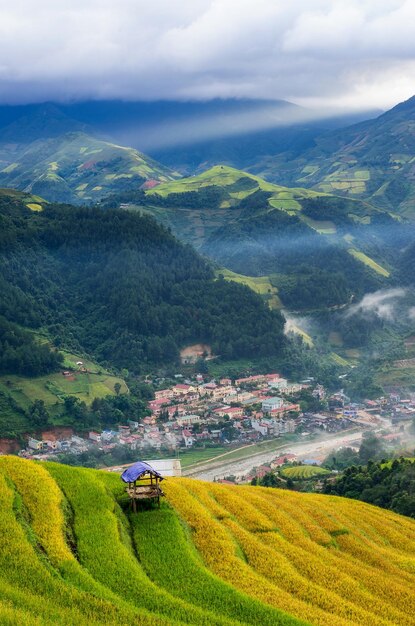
198	413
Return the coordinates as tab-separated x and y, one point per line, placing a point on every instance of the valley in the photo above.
207	313
231	465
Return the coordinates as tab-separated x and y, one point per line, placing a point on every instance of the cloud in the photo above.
309	51
381	303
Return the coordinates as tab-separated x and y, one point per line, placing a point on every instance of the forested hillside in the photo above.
387	484
318	250
120	287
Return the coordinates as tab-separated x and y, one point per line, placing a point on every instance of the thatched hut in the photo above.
143	483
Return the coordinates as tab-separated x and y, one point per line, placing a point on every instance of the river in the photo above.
317	449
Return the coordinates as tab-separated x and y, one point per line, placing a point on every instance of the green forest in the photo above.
120	287
390	485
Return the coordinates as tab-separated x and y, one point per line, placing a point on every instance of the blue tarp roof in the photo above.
134	472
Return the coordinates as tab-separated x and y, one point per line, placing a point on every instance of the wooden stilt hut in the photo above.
143	483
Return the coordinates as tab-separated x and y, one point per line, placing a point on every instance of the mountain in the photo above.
40	122
118	286
372	160
319	250
192	136
67	153
72	553
49	154
186	136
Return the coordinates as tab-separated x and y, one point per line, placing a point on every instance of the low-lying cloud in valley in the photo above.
383	303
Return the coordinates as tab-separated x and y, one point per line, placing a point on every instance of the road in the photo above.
318	450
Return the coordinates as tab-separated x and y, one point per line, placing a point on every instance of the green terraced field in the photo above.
360	256
302	472
228	178
53	387
259	284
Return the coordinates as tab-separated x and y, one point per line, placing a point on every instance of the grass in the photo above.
292	327
285	203
192	581
106	556
339	360
191	457
52	388
260	284
34	206
362	174
360	256
397	376
271	545
229	177
71	552
29	582
250	450
303	472
324	227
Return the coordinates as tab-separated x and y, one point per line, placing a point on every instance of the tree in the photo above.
39	415
371	448
117	388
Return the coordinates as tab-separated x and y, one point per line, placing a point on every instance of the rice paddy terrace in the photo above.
72	553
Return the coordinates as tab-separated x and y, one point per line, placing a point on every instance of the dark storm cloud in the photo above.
310	51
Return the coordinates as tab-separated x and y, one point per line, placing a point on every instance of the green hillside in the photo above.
72	553
76	167
303	472
18	394
372	160
317	250
119	287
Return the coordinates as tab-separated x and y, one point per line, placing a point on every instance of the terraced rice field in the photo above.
360	256
260	284
302	472
72	553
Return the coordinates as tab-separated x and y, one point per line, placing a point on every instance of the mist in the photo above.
383	304
201	128
297	324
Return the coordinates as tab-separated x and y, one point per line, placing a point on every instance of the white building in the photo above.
167	467
279	383
270	404
93	436
187	420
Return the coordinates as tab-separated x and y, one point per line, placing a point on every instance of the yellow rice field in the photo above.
71	552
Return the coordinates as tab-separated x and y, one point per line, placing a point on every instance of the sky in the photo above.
355	54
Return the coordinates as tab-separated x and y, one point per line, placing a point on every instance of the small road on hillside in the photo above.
317	449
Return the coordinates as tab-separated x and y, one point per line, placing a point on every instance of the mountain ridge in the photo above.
372	160
76	167
256	228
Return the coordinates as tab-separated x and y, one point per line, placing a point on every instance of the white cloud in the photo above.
381	303
311	51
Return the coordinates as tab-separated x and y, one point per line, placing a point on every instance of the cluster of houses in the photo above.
201	412
198	410
393	407
195	412
396	407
